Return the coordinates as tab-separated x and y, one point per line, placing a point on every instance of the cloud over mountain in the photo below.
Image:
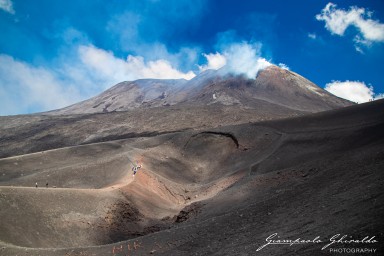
352	90
84	70
181	38
34	86
133	68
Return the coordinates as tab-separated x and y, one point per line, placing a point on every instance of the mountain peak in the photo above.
273	85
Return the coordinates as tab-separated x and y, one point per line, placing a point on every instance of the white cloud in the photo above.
25	88
134	30
338	20
359	49
312	35
7	5
134	67
352	90
283	66
214	61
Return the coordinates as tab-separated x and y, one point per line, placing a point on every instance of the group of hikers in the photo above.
135	169
46	185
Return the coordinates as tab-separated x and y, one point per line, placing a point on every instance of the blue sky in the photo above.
55	53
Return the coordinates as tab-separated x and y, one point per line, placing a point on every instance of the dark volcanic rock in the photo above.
317	175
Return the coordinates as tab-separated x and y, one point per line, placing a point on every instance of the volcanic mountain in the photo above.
226	163
150	107
272	85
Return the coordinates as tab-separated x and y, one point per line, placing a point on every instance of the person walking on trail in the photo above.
46	185
36	184
135	169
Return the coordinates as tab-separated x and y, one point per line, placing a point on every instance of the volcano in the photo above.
150	107
273	85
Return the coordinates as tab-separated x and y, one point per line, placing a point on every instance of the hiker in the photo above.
135	169
46	185
36	184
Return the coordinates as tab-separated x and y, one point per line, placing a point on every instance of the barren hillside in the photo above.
217	191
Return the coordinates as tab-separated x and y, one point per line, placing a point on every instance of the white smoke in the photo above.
284	66
239	59
214	61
